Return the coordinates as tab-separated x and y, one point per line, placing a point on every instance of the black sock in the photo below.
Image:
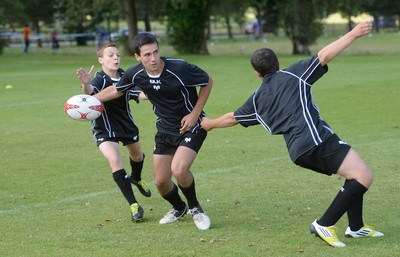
137	169
348	195
355	215
174	199
190	194
124	185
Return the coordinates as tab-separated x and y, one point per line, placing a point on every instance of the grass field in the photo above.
58	197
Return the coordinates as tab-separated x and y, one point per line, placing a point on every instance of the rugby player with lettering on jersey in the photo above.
171	86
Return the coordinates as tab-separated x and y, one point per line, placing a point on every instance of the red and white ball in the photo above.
83	107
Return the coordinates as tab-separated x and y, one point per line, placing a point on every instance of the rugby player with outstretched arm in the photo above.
284	105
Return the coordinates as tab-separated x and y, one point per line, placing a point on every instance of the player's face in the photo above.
150	58
110	60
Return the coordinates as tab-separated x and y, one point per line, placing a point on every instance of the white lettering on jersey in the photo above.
155	81
156	84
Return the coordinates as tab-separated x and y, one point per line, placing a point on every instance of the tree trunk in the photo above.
131	19
147	25
37	31
229	27
203	50
80	41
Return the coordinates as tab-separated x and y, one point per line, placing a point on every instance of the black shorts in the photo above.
167	144
325	158
123	140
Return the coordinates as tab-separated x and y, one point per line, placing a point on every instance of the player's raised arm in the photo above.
108	94
330	51
226	120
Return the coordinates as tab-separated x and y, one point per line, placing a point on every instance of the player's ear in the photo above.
100	59
137	57
258	74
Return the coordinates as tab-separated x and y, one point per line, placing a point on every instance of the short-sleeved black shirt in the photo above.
117	119
173	93
283	104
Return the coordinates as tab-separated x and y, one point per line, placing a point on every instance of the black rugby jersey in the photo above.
173	93
283	104
116	120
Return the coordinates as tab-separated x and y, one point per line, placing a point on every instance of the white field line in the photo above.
214	171
36	102
52	203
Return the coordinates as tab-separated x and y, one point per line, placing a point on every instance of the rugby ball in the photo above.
83	107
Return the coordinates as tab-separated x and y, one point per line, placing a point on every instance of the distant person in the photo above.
102	37
27	36
54	41
115	125
284	105
256	29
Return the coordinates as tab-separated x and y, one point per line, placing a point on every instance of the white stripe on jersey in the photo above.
303	99
184	92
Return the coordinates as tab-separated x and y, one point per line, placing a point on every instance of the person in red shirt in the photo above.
27	33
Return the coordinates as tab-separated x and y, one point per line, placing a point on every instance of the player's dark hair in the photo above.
264	61
143	39
101	48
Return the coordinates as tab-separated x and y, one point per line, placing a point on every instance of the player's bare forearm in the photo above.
226	120
330	51
108	94
191	119
204	93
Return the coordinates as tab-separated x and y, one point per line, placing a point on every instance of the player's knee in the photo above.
369	175
163	186
366	177
179	171
136	157
114	160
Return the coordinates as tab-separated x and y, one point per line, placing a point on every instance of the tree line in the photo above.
188	22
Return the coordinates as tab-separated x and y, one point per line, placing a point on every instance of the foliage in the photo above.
187	21
349	8
233	10
378	8
12	14
303	27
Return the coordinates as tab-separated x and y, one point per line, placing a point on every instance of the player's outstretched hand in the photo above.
362	29
84	76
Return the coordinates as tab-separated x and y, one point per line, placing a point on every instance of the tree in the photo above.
38	12
349	8
76	17
301	22
131	19
12	13
187	22
379	8
271	17
228	10
34	12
